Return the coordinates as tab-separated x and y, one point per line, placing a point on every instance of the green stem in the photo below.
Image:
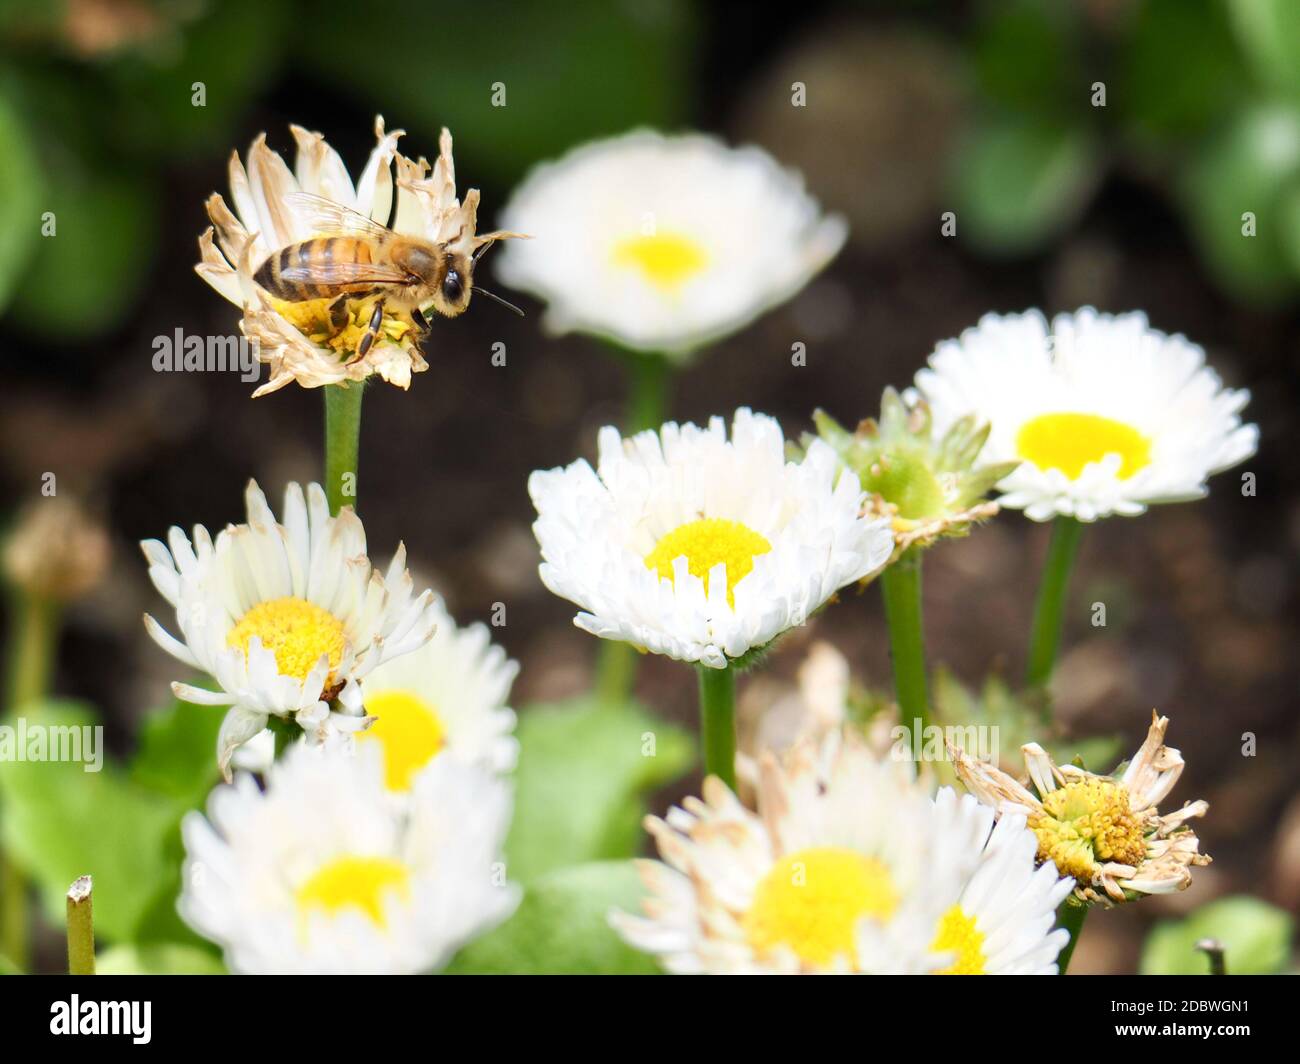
900	584
31	656
285	732
648	398
1070	916
81	928
1049	609
342	441
615	672
718	722
35	633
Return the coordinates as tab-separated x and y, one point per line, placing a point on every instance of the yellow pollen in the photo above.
409	731
363	883
296	631
1069	442
957	932
312	318
665	259
812	900
1085	824
706	543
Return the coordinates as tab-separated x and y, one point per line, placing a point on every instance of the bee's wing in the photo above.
347	273
326	216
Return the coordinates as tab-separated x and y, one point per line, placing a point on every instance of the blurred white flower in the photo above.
448	697
664	243
287	618
323	872
1105	414
686	543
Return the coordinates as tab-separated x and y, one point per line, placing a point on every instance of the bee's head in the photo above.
451	293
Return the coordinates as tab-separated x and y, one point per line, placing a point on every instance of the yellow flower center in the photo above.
296	631
706	543
957	932
666	260
313	318
1069	442
811	901
1086	823
408	729
363	883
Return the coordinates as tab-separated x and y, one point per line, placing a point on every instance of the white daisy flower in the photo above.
848	865
696	546
1105	414
298	340
323	873
449	697
1004	921
287	618
664	243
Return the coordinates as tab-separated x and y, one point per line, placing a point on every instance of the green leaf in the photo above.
1026	56
84	278
62	822
1256	939
1269	33
1248	167
177	755
562	927
582	772
1019	182
163	959
20	220
1179	73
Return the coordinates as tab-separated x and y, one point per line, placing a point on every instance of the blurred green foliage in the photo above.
120	825
1255	936
1201	97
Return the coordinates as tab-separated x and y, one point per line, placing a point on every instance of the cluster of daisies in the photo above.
363	830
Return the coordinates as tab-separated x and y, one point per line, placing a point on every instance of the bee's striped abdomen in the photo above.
301	272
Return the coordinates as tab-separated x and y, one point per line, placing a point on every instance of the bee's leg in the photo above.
339	314
420	322
372	330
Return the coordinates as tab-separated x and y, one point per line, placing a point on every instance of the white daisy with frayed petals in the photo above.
664	243
287	618
446	698
1004	921
1105	414
847	866
686	543
324	873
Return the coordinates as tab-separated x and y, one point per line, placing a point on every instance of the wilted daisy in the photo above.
322	872
1104	831
848	865
664	243
1003	922
300	340
287	618
1105	414
449	696
686	543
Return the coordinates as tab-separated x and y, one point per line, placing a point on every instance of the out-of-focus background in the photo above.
992	111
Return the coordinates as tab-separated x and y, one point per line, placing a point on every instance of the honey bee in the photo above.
355	258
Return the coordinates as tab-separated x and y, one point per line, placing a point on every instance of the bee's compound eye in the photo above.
452	287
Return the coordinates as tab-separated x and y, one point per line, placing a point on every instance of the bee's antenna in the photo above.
497	299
